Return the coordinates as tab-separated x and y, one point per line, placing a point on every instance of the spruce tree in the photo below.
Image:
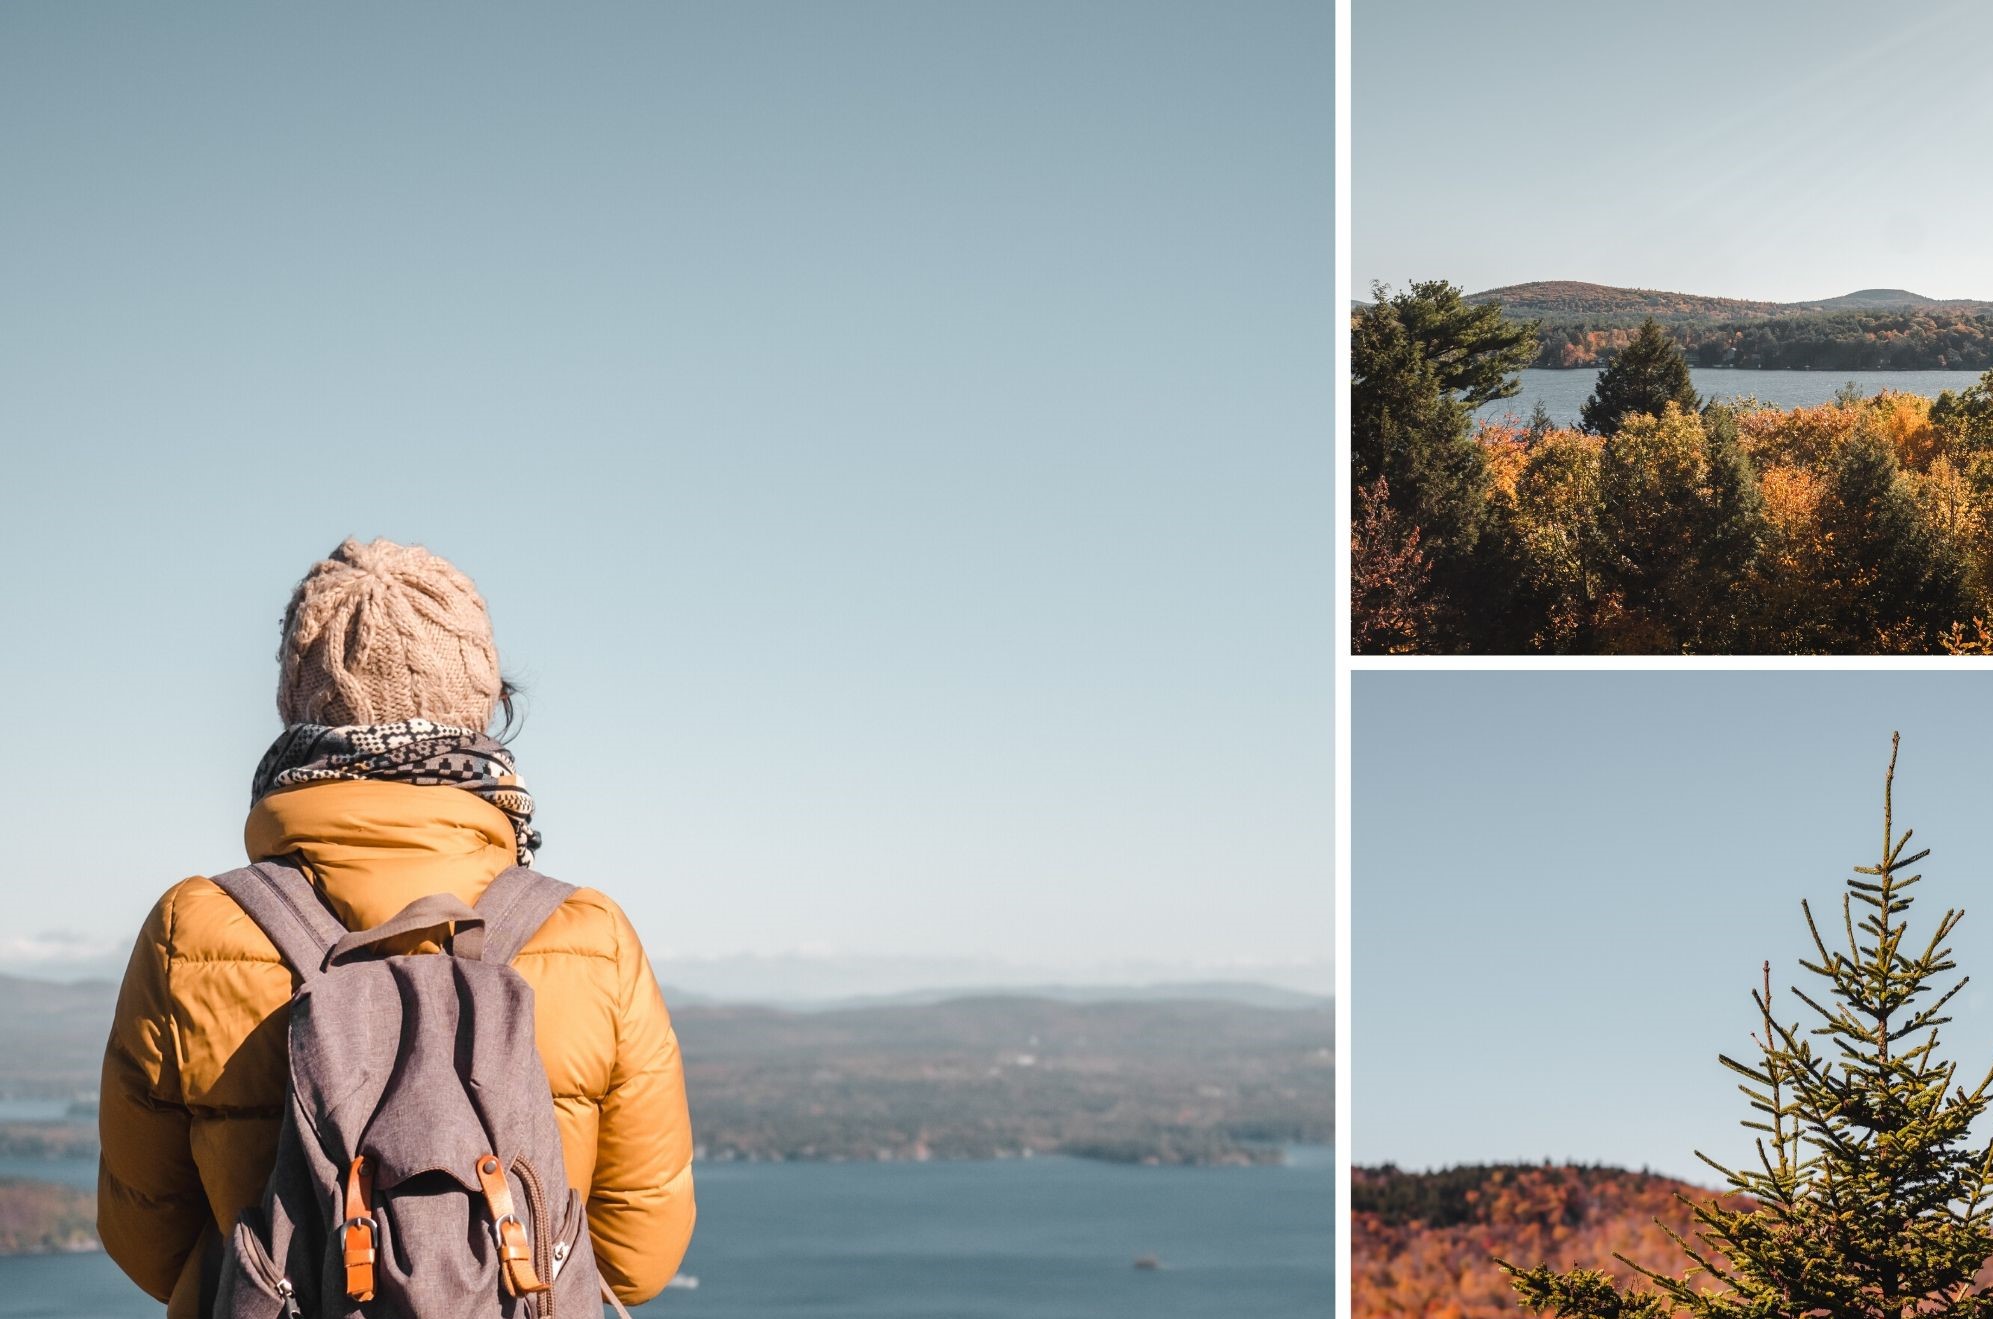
1540	424
1868	1198
1645	377
1728	540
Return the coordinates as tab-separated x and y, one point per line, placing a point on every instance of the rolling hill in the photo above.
1559	299
1583	325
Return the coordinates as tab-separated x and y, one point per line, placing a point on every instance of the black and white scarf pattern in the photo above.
412	751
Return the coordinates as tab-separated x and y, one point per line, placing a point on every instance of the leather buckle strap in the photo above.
357	1234
515	1248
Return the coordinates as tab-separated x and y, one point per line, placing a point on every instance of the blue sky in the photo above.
1564	885
1783	149
893	440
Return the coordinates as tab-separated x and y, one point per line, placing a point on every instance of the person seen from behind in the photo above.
384	788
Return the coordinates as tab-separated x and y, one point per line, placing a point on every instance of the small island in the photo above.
41	1218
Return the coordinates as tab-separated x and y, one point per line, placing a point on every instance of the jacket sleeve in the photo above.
640	1207
151	1207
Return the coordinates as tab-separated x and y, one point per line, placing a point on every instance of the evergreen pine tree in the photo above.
1729	539
1540	424
1648	374
1868	1199
1409	430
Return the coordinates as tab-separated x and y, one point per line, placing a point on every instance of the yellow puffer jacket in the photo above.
195	1071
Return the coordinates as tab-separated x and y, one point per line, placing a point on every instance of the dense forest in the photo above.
1661	525
1424	1244
1924	339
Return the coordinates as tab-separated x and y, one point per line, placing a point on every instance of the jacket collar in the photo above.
372	848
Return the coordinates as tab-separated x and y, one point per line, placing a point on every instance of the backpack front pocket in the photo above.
252	1286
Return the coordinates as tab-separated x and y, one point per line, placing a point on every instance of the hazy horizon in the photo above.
802	977
1739	151
892	441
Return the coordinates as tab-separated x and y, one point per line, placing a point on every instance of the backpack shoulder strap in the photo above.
514	905
287	908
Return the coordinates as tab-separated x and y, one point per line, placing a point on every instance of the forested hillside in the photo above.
1424	1244
1587	325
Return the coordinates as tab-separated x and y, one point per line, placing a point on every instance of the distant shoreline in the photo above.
63	1214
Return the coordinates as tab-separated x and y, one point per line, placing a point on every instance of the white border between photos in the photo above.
1339	634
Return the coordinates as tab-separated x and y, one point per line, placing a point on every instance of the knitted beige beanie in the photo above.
383	632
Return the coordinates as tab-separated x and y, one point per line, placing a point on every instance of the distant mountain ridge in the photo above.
1566	297
1584	326
1164	1074
1245	993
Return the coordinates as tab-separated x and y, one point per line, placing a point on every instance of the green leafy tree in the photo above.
1894	579
1869	1198
1680	509
1654	493
1966	417
1646	376
1565	556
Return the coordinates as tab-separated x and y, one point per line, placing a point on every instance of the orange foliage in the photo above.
1561	1216
1804	437
1974	640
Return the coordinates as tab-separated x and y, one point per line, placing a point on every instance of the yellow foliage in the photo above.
1507	453
1905	421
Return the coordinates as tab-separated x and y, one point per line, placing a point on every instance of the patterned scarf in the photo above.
413	751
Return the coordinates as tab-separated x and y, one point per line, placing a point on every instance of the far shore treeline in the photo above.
1662	524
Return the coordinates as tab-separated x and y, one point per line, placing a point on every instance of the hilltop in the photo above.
1421	1243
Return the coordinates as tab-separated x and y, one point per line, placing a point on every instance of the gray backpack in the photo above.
419	1170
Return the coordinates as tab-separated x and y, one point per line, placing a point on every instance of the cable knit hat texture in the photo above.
382	632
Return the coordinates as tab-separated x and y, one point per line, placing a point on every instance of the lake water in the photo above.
1565	392
1047	1238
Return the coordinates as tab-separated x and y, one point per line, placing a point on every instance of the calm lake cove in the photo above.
1048	1238
1565	392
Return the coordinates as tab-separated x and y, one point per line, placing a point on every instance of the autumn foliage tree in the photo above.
1870	1197
1390	582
